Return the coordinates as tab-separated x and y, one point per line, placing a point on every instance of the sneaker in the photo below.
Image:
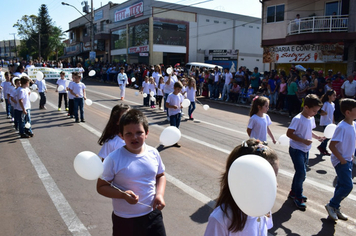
67	109
76	121
226	100
299	203
59	109
8	117
321	150
71	116
291	195
153	106
168	119
44	108
341	215
177	145
24	136
331	211
30	134
161	108
82	120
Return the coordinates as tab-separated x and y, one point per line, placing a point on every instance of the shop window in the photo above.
138	35
275	13
207	20
118	39
169	33
216	21
331	7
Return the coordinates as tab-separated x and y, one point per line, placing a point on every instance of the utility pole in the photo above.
39	46
92	52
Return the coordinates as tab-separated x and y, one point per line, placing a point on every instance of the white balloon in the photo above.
70	76
144	95
170	136
283	140
60	87
67	83
27	125
329	131
88	165
92	73
169	70
152	93
249	178
136	93
206	107
33	96
39	75
133	79
34	86
186	103
89	102
153	99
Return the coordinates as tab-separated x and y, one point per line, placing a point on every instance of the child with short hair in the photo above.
110	139
42	90
342	146
174	105
70	100
145	89
24	115
78	91
160	93
227	218
5	85
63	92
15	104
259	119
133	216
300	132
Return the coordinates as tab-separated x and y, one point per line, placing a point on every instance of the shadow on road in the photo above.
327	228
201	215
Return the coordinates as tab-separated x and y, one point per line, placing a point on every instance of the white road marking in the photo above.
75	226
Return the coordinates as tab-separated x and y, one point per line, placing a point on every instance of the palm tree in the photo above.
56	40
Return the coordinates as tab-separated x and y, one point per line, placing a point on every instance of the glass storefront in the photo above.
138	35
169	33
118	39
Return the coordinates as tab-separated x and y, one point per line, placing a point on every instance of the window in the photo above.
207	20
331	7
216	21
169	33
101	25
118	39
275	13
138	35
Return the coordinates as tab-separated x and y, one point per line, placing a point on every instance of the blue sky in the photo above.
62	15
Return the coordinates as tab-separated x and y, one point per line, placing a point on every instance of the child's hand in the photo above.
175	107
85	98
307	141
343	161
131	197
56	90
158	202
274	141
321	139
76	95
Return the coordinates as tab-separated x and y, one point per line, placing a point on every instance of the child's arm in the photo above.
323	113
84	94
249	132
105	189
171	106
271	135
291	135
318	137
158	202
57	88
22	106
333	149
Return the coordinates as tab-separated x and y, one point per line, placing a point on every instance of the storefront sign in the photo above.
72	49
221	54
138	49
98	15
132	11
143	54
308	53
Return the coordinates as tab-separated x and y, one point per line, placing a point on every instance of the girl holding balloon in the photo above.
228	218
191	93
62	91
160	88
259	120
327	116
110	139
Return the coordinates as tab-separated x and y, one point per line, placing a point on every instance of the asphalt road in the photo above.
41	194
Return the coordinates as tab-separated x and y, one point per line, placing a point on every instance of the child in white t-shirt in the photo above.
15	103
78	91
42	90
300	132
138	204
145	89
24	115
70	100
259	120
63	92
191	95
5	85
327	117
110	139
160	92
152	92
227	218
342	146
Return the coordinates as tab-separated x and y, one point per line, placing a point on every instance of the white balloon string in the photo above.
113	185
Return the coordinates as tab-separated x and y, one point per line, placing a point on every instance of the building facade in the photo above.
9	49
320	34
154	32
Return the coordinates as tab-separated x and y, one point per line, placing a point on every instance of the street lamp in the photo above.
91	21
14	34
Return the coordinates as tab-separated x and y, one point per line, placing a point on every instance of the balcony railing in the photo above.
318	24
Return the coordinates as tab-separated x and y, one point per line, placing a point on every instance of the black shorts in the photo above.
147	225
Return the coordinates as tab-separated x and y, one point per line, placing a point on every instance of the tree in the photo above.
44	24
27	31
56	44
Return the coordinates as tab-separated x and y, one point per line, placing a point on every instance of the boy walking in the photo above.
78	91
342	146
301	134
174	105
42	90
138	170
24	115
63	92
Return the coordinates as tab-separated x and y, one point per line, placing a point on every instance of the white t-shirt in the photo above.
78	88
303	128
140	178
350	88
24	94
160	90
258	126
228	77
15	95
110	146
345	134
216	76
146	87
64	84
70	95
41	86
170	88
219	223
156	76
191	94
175	100
5	86
10	90
152	87
327	119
